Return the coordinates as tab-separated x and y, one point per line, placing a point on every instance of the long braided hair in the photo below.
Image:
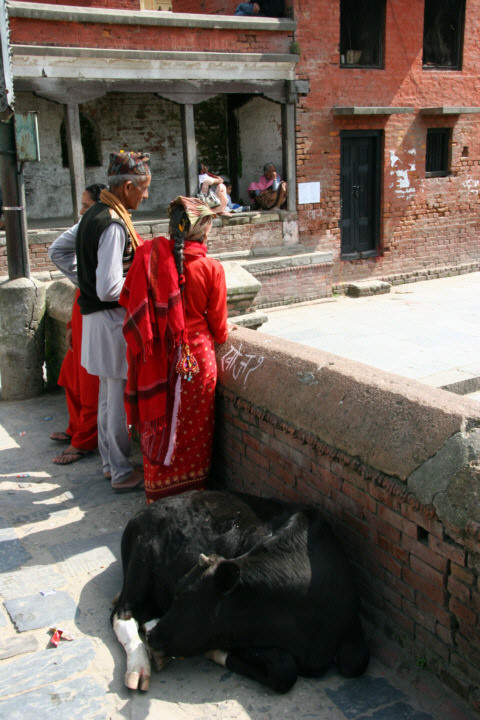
178	228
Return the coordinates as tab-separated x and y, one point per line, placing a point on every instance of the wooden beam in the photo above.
288	149
75	155
189	150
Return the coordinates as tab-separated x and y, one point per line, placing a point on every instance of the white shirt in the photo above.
104	350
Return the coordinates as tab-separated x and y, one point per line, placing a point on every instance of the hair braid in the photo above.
179	226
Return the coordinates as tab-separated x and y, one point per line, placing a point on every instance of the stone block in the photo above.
78	699
38	611
45	666
28	580
367	287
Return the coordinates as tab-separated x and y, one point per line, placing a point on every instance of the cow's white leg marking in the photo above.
150	624
159	659
138	665
218	656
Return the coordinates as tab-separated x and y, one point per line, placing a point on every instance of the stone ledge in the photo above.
118	16
412	429
290	262
112	54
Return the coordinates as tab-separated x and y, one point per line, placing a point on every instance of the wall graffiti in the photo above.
240	363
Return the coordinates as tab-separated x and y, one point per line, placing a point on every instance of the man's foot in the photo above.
70	455
132	483
107	474
60	437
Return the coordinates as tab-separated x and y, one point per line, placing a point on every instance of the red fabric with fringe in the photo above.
154	327
206	315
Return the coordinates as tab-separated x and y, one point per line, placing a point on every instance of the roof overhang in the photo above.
57	72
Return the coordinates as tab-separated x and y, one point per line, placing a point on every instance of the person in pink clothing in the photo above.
270	192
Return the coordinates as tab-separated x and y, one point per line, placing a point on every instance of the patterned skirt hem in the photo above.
157	493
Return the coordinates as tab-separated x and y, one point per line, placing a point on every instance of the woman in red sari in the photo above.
170	393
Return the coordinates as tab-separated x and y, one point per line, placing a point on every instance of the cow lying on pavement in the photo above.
260	585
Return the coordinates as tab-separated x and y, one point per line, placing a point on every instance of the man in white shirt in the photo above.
96	254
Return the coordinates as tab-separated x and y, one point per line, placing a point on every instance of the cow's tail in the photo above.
353	655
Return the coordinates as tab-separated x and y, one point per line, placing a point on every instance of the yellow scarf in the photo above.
113	202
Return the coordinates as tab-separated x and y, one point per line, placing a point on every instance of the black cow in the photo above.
260	585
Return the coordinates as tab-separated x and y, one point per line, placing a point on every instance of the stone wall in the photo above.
394	466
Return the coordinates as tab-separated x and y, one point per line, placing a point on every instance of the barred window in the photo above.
438	152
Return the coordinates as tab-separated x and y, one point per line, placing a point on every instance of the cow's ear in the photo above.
227	576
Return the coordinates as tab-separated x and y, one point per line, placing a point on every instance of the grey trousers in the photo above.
113	437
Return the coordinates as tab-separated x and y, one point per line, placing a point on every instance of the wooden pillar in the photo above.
288	143
189	150
75	155
233	146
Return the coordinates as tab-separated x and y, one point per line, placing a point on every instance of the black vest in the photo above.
93	223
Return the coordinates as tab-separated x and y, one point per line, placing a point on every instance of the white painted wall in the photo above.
260	129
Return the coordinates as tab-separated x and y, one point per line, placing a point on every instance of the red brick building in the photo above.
370	109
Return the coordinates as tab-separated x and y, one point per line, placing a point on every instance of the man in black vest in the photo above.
105	241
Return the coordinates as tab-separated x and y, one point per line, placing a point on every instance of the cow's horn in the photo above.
204	560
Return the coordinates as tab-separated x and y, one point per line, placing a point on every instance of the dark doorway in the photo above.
360	193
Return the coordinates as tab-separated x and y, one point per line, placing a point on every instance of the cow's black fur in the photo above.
276	590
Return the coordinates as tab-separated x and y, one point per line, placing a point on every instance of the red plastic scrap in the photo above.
59	634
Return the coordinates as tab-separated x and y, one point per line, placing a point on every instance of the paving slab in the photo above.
28	580
45	666
18	646
81	698
41	611
428	331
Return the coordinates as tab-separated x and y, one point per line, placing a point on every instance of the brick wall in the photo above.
282	286
222	239
424	221
419	576
25	31
125	4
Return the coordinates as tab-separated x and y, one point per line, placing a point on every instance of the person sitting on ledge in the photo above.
212	191
270	192
262	8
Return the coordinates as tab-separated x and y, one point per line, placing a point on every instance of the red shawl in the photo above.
154	329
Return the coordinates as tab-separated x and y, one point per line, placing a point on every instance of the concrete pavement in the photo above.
60	530
427	331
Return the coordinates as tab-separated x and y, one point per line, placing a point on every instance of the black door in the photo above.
359	193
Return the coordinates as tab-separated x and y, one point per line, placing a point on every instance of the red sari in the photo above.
206	319
81	389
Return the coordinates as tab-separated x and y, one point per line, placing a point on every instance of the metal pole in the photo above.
16	238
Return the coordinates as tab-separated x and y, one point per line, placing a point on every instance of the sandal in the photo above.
70	455
60	437
122	487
